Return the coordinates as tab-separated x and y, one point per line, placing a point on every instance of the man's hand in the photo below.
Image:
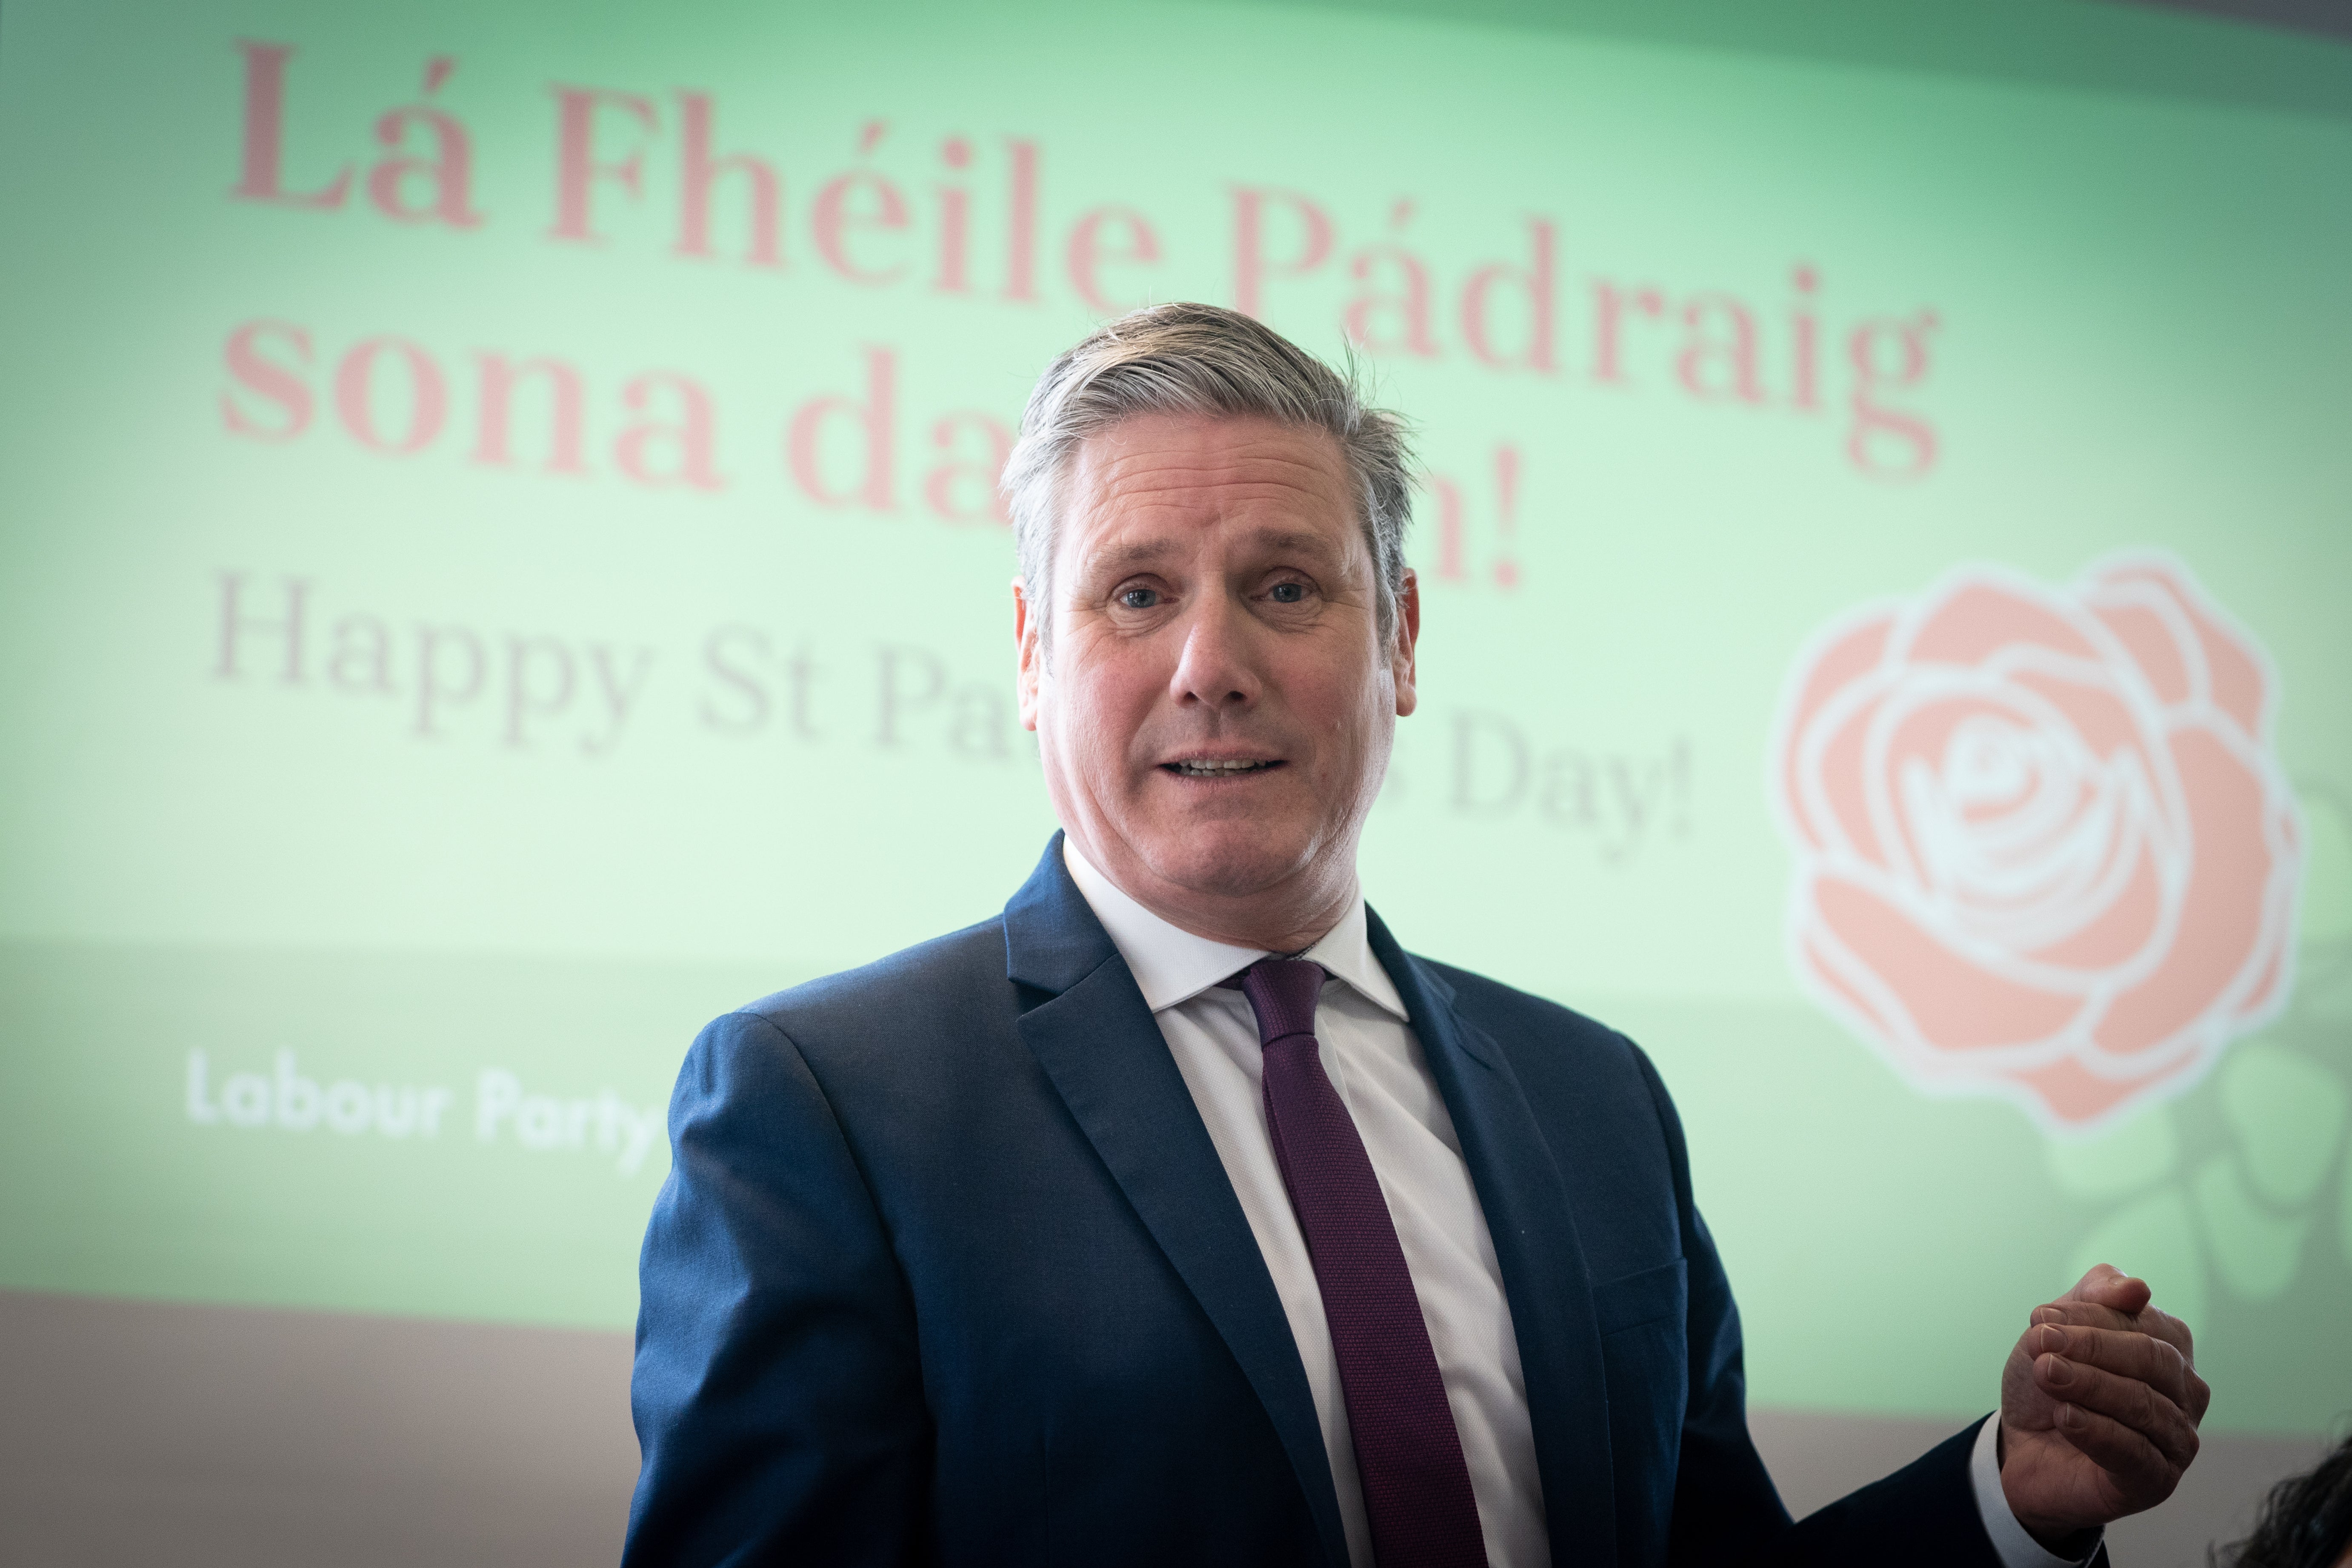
2099	1407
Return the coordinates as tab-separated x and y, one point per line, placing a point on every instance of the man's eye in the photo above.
1139	598
1289	592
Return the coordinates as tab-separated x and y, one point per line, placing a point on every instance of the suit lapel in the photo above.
1527	1213
1104	1053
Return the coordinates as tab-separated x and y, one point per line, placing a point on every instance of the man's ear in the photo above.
1027	630
1408	634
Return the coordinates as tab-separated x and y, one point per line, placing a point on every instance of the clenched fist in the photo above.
2099	1407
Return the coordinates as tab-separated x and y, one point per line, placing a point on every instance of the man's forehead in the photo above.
1159	482
1170	456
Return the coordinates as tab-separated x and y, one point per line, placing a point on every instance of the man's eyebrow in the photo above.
1144	551
1123	557
1303	542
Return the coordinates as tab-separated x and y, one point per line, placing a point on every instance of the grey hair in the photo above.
1201	359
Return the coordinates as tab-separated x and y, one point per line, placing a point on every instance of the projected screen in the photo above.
502	565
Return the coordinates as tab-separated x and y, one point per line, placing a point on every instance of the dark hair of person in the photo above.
2306	1523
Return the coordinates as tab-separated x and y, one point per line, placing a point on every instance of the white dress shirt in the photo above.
1374	1061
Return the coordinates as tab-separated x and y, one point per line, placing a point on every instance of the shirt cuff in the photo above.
2011	1543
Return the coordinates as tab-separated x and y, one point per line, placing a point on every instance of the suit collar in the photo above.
1106	1058
1527	1212
1172	965
1099	1043
1052	939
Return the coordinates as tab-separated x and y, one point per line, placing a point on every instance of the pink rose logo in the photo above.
2043	847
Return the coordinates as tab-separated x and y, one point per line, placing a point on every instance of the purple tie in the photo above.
1408	1455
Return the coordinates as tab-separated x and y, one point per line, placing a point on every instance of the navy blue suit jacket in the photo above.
947	1270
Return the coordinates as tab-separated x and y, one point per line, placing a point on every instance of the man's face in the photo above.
1217	708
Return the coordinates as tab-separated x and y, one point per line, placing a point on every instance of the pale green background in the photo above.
2144	341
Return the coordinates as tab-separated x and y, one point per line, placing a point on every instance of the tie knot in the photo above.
1282	992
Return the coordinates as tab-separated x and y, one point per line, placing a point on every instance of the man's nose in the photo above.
1215	666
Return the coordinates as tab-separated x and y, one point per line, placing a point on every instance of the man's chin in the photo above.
1228	859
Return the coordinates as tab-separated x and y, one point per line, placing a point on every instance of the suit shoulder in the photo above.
1536	1029
957	974
1527	1014
1579	1075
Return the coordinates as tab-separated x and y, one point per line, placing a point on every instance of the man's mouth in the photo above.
1217	768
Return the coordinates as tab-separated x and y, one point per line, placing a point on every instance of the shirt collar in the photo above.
1172	965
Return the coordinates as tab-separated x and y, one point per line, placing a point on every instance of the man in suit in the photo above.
1177	1214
